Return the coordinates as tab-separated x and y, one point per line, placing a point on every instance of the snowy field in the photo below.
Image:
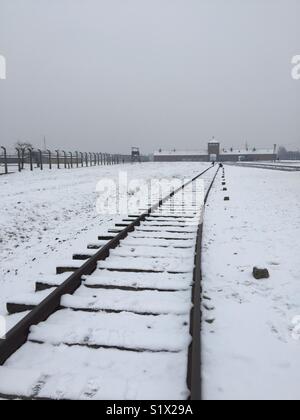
250	347
45	216
250	327
121	343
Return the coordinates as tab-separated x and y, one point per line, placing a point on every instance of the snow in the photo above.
144	302
80	373
249	332
248	347
250	327
123	330
107	343
150	264
45	215
161	281
31	299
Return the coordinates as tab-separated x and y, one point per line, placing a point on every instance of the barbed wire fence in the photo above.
33	159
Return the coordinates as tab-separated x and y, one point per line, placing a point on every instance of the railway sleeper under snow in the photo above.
47	281
159	242
150	265
97	374
139	302
148	252
138	281
142	302
123	331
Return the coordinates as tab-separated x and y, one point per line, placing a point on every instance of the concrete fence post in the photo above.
19	159
5	160
57	157
49	159
41	159
65	159
30	150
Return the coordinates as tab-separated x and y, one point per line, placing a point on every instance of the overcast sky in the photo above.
105	75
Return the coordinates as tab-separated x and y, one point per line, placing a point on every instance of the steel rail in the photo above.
194	377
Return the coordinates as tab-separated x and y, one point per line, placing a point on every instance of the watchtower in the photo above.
214	150
135	155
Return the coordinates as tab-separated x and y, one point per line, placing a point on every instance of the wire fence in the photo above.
32	159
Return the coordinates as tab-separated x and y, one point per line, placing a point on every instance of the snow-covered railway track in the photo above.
273	166
119	321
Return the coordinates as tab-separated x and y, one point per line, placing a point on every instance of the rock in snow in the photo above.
261	273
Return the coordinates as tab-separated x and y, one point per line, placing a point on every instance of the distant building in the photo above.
215	153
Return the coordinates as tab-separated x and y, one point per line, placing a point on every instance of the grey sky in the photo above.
105	75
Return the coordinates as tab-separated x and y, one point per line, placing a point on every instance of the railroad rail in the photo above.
117	321
273	167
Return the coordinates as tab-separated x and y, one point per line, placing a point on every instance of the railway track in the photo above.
273	167
116	322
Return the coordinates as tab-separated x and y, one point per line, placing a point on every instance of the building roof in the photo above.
223	151
250	151
180	153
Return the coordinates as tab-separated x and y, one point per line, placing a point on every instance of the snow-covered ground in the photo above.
121	342
250	326
45	216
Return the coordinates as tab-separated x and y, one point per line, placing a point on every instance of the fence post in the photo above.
50	159
5	160
23	149
98	159
65	159
19	159
71	154
30	158
77	159
57	157
86	159
41	159
82	159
